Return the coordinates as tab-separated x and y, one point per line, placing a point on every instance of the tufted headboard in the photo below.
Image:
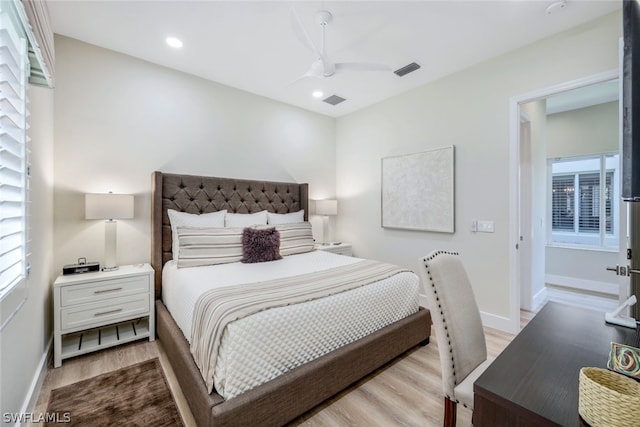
202	194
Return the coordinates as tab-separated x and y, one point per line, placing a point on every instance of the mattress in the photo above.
260	347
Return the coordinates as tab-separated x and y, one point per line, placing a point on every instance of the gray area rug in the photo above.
137	395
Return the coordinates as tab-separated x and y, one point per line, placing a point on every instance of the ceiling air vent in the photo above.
334	100
407	69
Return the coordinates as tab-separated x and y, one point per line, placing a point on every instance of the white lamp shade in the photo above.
326	207
108	206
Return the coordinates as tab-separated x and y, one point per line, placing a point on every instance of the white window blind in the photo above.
583	194
14	71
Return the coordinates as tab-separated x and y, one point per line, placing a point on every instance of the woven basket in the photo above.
608	399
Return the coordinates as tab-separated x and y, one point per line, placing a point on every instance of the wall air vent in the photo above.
407	69
334	100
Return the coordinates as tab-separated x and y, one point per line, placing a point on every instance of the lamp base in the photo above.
110	233
325	229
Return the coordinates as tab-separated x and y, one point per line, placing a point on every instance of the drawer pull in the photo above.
108	312
107	290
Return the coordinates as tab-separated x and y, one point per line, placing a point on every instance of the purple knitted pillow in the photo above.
260	245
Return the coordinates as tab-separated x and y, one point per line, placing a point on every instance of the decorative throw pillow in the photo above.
260	245
184	219
289	218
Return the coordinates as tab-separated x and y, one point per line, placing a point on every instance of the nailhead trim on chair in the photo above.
444	320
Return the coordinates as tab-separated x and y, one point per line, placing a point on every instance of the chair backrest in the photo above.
455	315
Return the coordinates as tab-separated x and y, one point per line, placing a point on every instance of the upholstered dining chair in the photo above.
456	318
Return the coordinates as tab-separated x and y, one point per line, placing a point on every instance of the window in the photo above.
14	71
583	191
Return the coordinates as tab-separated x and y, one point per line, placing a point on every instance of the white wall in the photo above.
470	110
119	118
591	130
581	264
23	342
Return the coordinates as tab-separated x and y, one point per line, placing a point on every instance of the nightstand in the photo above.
97	310
336	248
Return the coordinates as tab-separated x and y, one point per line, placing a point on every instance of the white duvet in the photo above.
262	346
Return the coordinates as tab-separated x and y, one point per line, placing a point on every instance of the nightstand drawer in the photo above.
336	248
101	290
342	251
89	315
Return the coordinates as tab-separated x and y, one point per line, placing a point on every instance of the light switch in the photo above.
486	227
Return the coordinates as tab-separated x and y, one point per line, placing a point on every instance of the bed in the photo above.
291	394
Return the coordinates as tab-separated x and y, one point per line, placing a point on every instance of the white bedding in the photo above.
262	346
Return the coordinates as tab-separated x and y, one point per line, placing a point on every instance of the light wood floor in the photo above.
592	301
405	392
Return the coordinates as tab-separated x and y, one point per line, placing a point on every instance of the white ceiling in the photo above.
252	46
586	96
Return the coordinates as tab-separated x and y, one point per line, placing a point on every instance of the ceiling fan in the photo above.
323	67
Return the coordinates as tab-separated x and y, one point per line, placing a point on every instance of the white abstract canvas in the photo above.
418	191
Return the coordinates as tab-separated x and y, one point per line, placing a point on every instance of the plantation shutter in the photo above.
14	71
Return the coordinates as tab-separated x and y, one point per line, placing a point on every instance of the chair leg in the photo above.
449	412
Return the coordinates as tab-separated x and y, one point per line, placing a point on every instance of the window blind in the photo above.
562	202
583	205
34	15
14	70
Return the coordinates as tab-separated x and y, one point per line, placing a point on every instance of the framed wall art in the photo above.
418	191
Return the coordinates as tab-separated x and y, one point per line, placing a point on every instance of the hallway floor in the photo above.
597	302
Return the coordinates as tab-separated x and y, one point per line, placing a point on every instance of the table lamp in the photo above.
109	207
326	208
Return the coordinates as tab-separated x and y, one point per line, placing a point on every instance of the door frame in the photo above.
525	196
514	179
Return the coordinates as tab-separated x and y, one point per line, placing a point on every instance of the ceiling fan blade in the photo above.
292	82
301	33
311	72
361	66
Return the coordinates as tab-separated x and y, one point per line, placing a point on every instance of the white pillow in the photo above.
245	220
290	218
184	219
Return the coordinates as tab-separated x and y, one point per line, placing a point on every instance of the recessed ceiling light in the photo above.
317	94
174	42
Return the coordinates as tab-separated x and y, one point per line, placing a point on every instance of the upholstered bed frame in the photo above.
290	395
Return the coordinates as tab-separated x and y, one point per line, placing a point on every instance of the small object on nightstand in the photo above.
81	267
102	309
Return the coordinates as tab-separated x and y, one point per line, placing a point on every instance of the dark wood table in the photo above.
534	381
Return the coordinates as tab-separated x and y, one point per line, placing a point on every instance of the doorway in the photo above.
569	224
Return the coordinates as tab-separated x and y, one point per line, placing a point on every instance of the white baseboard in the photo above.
489	320
498	322
583	284
539	299
31	399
